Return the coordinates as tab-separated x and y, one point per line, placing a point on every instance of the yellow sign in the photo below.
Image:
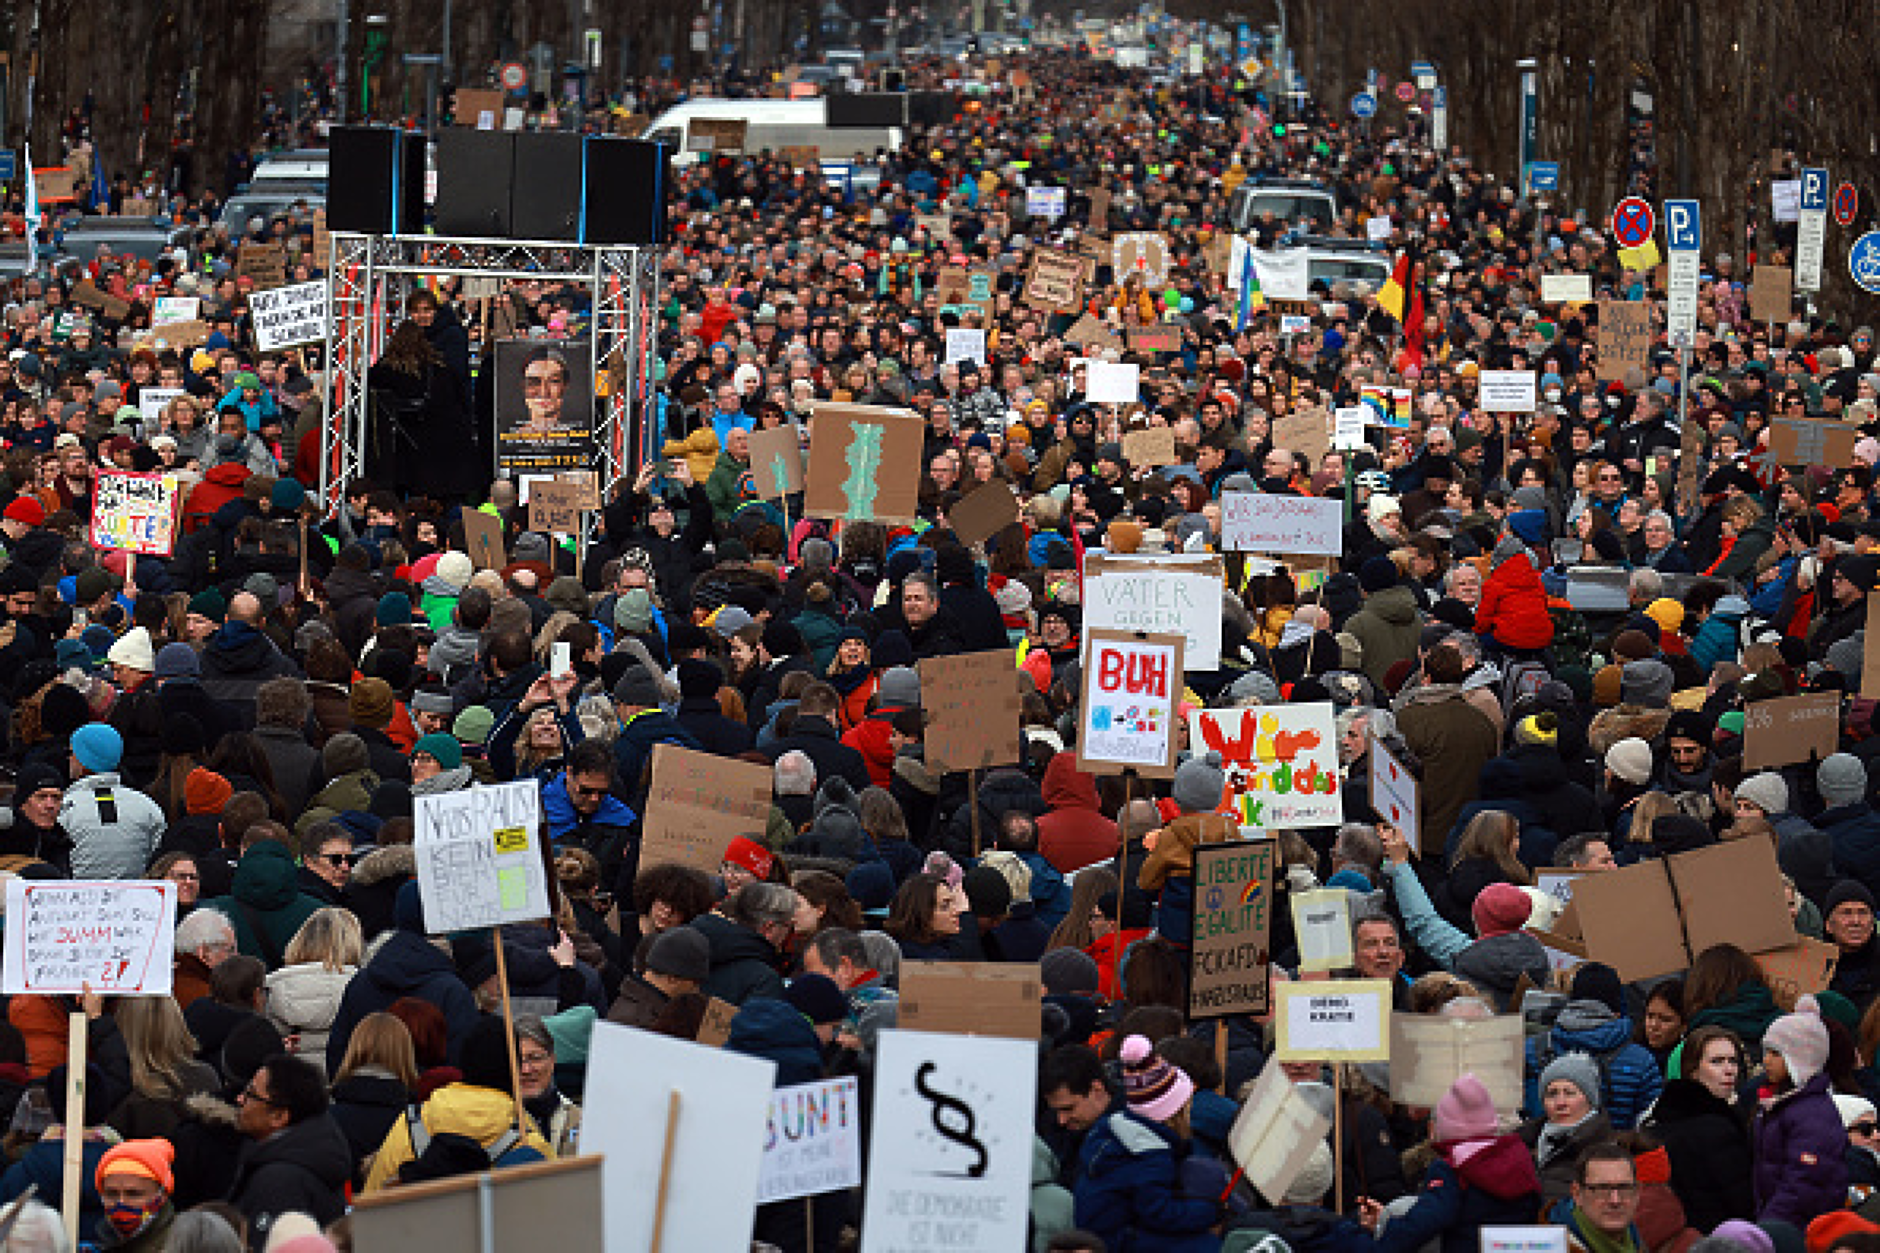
1644	257
511	840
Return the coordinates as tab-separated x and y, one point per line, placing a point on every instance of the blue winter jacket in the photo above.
1631	1079
1716	639
1854	830
1129	1190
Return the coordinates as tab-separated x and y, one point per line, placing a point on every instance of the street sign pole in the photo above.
1684	245
1529	126
1811	229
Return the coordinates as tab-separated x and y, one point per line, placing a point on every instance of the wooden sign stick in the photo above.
665	1171
74	1125
509	1033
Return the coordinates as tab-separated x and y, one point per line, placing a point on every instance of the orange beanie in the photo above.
149	1158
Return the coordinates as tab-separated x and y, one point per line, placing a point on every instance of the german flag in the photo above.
1395	290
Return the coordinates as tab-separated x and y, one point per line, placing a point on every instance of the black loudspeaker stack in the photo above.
375	181
551	186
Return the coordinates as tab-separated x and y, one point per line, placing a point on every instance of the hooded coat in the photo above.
365	1105
1129	1189
1388	628
1801	1163
1513	608
302	1001
1074	834
1628	1072
303	1168
1496	1186
743	963
236	661
482	1114
406	965
265	905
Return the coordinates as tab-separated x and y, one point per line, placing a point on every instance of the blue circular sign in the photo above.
1863	262
1364	104
1633	222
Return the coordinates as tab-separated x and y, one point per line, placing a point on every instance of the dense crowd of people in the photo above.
253	715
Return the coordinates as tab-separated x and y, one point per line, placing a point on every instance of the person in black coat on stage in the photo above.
434	450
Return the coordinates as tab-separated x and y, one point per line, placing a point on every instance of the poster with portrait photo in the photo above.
544	406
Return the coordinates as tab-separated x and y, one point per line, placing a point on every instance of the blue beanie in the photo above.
98	639
98	747
1529	525
394	609
408	908
287	494
1351	880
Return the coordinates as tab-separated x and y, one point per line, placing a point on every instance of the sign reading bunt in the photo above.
134	512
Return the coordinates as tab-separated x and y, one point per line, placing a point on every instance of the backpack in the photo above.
1544	1055
449	1153
1521	678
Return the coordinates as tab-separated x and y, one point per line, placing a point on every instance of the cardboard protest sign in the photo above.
1771	293
287	316
1396	794
1126	715
480	860
478	108
1790	728
135	512
1169	593
1151	446
1307	430
1142	253
1690	465
646	1092
1099	219
1053	282
973	702
117	936
1625	341
1566	289
1281	762
483	539
717	135
801	156
951	285
555	507
1274	1134
949	1161
1806	966
54	184
1429	1053
973	998
1153	339
1337	1020
864	463
87	295
1870	650
1114	383
1269	522
263	264
170	309
1653	918
1812	442
1091	334
777	461
983	512
181	335
1234	895
814	1141
714	1028
1322	923
554	1205
698	804
1507	391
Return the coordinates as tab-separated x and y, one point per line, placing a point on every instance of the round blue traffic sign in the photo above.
1633	222
1863	262
1846	204
1364	104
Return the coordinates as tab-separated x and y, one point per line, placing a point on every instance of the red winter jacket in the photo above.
1514	606
1075	833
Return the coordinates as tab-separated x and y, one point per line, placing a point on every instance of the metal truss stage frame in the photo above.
371	277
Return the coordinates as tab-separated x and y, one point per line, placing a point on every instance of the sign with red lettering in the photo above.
1281	763
114	937
1131	690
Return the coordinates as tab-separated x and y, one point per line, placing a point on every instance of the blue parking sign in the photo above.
1814	189
9	165
1683	229
1544	175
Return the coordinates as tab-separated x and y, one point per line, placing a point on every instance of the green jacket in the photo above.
723	488
265	895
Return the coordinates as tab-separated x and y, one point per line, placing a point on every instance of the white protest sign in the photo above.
1395	793
1565	289
1507	391
1428	1054
152	401
814	1141
950	1160
1557	884
117	936
1378	227
1177	595
965	345
1271	522
285	316
1348	427
1785	199
479	857
172	309
135	512
1115	383
1274	1134
1322	923
723	1106
1045	202
1281	762
1524	1240
1294	324
1336	1020
1283	275
1131	692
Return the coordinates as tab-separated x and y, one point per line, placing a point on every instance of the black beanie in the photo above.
485	1056
1595	981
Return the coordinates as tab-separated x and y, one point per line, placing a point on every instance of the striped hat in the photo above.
1154	1089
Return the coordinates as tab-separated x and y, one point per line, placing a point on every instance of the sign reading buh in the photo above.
1126	717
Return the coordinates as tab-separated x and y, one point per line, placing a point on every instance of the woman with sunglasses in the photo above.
326	871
